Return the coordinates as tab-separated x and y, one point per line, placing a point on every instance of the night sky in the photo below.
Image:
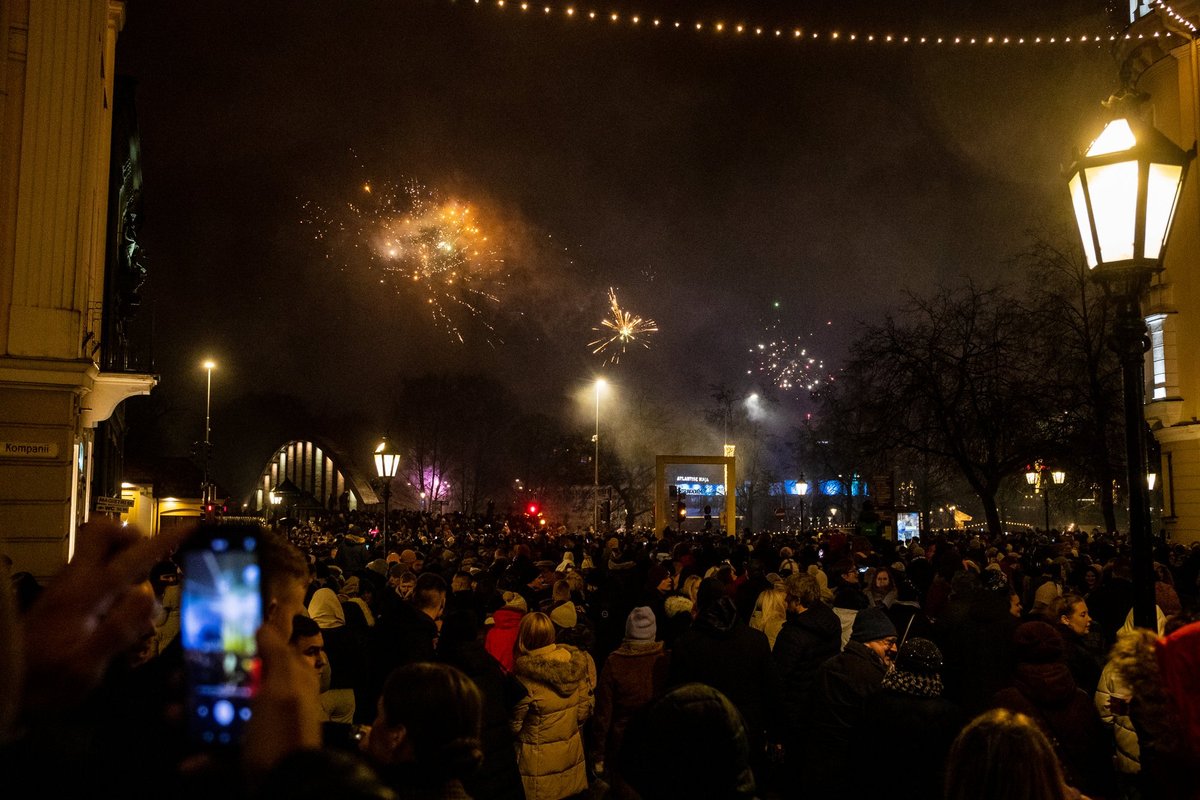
706	177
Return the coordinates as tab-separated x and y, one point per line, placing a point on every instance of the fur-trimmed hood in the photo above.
561	667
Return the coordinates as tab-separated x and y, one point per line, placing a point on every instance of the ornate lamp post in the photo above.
387	464
1124	190
1040	478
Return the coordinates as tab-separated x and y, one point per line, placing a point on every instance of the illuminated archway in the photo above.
324	477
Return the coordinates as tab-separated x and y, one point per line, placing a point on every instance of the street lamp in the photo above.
387	464
205	490
802	489
1040	478
1125	190
600	384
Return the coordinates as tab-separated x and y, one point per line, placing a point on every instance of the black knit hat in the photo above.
871	624
920	657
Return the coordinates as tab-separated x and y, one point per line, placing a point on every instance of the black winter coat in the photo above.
805	641
909	738
727	654
840	691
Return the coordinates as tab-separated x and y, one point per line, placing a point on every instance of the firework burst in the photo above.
787	361
619	330
423	246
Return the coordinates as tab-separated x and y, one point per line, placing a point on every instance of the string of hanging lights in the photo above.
797	33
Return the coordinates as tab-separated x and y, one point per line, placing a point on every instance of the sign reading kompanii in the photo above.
29	449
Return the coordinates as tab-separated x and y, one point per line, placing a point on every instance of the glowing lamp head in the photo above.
1058	476
1125	189
387	460
210	365
1031	477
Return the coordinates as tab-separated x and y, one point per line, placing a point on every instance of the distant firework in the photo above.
420	245
620	329
787	361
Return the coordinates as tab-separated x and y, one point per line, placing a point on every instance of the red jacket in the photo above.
502	636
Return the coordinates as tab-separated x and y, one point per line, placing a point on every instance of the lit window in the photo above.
1157	371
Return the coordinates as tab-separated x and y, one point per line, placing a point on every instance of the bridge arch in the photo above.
321	473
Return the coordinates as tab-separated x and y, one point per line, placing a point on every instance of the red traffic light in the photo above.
532	509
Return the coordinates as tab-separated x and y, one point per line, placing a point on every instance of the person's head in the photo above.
429	594
773	604
406	583
882	581
1037	642
308	641
460	582
691	585
1071	611
640	625
873	629
803	592
1003	755
536	631
561	592
691	724
428	714
284	581
1092	576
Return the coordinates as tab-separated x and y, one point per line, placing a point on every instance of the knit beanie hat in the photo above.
918	670
515	600
1038	643
920	657
564	615
871	624
640	625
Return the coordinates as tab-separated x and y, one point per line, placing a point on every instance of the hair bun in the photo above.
461	757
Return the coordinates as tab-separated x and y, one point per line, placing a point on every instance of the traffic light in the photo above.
605	510
681	510
532	509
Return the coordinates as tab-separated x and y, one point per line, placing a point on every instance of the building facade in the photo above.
1167	69
69	270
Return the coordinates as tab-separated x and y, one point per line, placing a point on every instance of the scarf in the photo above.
913	684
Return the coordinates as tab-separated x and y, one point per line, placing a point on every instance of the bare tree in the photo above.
957	377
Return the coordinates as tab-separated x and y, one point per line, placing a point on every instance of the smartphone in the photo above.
221	610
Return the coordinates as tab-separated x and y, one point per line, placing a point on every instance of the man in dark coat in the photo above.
909	726
840	691
975	635
722	651
811	636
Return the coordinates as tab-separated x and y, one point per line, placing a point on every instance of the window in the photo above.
1157	368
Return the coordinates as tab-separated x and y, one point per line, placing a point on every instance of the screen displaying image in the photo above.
908	525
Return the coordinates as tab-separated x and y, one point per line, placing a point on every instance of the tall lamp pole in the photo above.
387	464
205	490
600	384
1125	190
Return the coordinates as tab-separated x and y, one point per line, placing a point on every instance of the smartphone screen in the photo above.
220	614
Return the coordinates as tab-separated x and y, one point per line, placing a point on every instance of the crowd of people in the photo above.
466	657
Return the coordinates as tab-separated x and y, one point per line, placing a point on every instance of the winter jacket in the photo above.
560	680
633	675
1128	758
909	758
502	636
727	654
975	636
1048	693
806	641
840	690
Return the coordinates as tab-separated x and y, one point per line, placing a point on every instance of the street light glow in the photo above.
209	364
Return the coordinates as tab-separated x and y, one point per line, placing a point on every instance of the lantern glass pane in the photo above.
1082	219
1162	192
1113	191
379	467
1116	136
